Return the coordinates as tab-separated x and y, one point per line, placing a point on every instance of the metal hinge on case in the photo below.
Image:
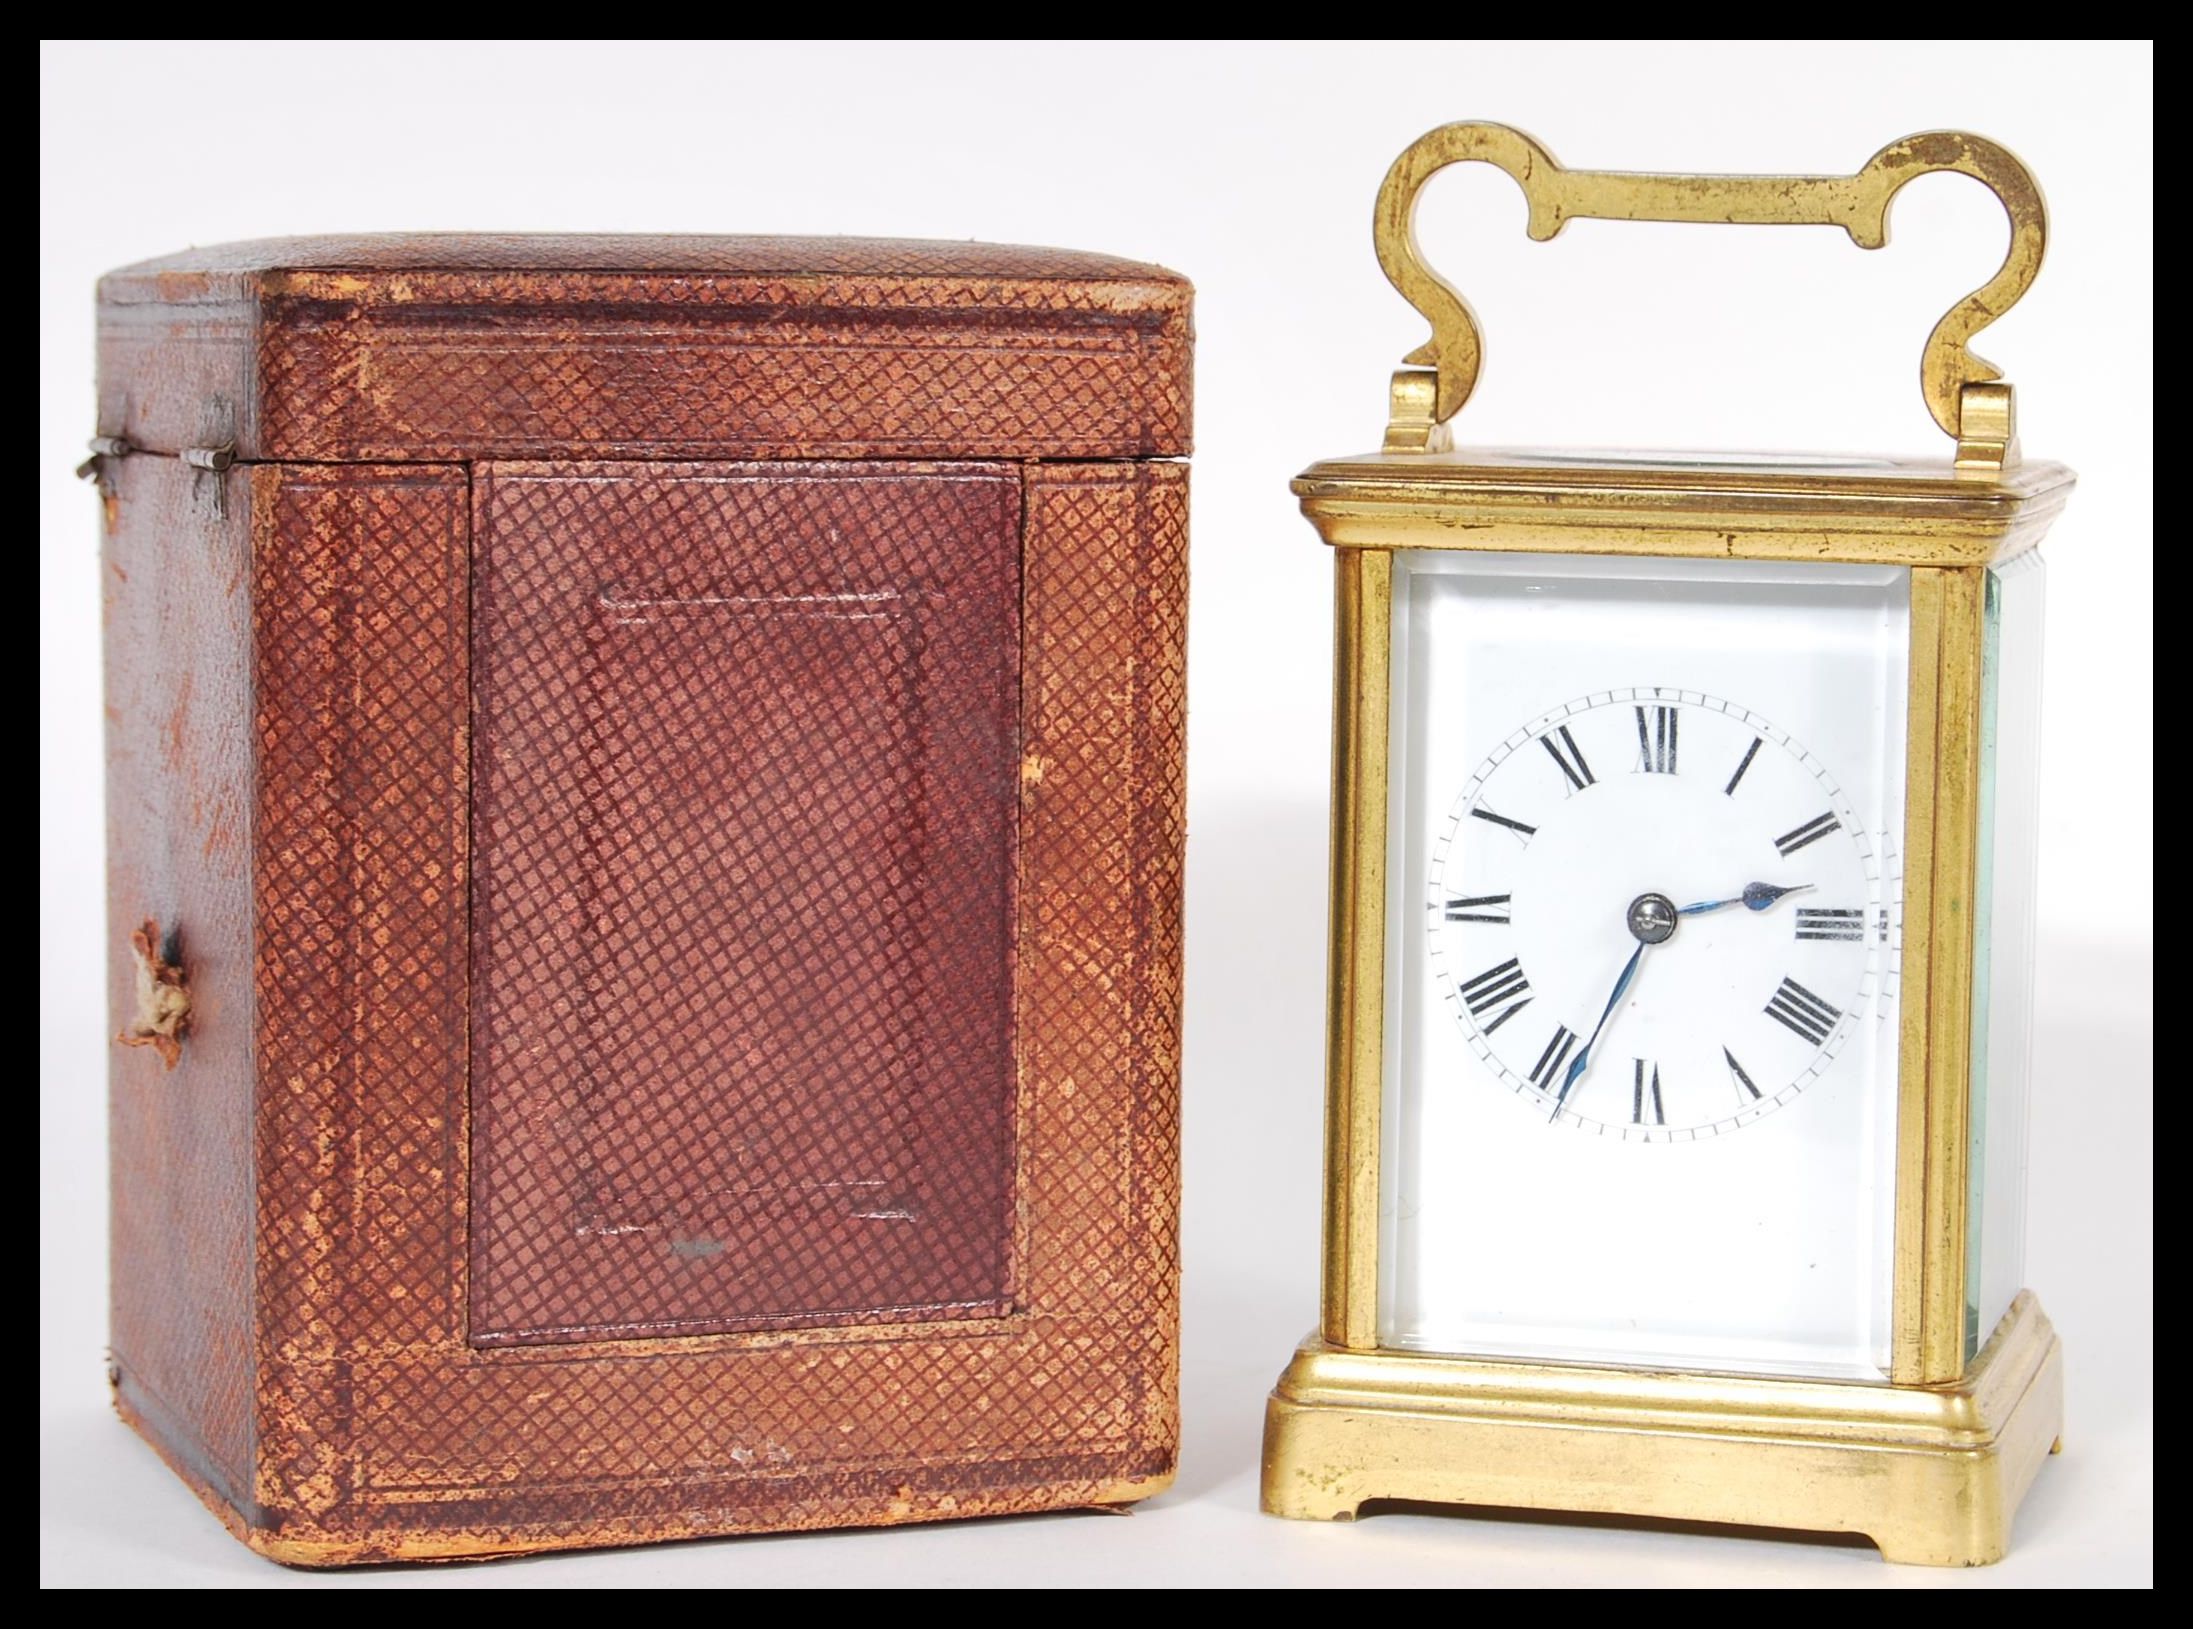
213	461
102	448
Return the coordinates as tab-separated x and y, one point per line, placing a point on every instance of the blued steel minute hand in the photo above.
1757	896
1582	1060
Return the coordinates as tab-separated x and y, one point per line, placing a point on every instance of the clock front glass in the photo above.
1642	1106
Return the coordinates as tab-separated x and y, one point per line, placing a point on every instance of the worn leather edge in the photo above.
181	1450
1156	677
308	1439
174	569
327	1551
684	253
325	900
387	367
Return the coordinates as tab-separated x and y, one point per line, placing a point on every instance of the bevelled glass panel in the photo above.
2005	926
1657	1140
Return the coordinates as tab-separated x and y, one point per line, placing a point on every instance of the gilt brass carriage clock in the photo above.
1682	932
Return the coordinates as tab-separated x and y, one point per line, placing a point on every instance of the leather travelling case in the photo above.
645	819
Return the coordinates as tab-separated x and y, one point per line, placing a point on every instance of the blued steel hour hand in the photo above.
1757	896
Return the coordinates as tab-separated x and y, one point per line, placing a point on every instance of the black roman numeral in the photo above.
1572	762
1750	753
1490	908
1803	1013
1645	1097
1807	834
1849	926
1743	1081
1496	987
1656	728
1483	813
1546	1074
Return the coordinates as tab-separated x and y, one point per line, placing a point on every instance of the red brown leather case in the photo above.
657	767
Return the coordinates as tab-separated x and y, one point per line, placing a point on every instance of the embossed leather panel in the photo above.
745	743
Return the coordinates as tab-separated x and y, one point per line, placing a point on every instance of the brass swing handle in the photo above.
1960	387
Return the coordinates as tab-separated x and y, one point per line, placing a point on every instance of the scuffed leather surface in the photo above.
436	348
351	1412
704	254
745	740
359	619
176	576
386	1431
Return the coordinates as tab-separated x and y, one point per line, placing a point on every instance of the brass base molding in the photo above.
1933	1475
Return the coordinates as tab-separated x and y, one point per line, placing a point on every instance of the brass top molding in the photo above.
1959	385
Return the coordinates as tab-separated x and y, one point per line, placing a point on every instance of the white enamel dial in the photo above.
1667	1144
1663	794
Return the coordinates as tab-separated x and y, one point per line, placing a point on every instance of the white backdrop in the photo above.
1250	168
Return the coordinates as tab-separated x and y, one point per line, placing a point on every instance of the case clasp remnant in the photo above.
163	1003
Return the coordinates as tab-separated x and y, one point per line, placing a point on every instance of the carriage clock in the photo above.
1682	933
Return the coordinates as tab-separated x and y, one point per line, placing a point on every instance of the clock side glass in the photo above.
1642	1101
2006	936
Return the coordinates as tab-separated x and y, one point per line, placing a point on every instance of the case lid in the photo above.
429	347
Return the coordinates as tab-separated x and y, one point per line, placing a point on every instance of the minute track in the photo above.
1756	806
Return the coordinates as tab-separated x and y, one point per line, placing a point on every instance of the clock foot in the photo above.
1929	1550
1309	1510
1932	1475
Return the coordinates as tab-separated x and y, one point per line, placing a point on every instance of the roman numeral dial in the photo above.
1562	748
1516	826
1657	730
1549	1073
1800	837
1496	995
1743	766
1649	914
1483	908
1802	1013
1746	1090
1831	926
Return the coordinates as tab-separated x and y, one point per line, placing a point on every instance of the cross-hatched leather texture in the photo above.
176	577
441	347
531	763
745	745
